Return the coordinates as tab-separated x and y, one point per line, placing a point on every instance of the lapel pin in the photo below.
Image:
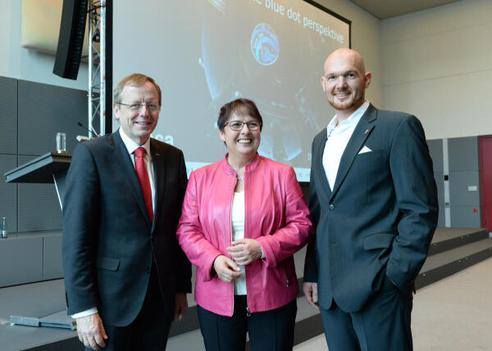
366	131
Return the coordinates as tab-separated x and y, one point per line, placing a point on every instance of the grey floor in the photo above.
450	315
454	314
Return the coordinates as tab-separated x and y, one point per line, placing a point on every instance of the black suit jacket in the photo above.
379	218
109	242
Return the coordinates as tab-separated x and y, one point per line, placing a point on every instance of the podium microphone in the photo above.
91	131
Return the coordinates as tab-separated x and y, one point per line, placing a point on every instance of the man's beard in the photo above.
354	100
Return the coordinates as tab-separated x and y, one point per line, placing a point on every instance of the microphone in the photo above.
91	131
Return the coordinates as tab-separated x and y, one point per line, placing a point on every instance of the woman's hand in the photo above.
227	270
245	251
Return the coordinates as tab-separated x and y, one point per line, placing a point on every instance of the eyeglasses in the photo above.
136	107
238	125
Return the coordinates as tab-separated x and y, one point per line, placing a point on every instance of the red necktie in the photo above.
143	179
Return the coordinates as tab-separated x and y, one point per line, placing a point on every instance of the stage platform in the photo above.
452	250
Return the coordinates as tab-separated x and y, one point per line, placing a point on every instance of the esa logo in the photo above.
264	44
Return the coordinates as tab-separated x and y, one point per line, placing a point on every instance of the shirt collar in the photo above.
131	146
353	119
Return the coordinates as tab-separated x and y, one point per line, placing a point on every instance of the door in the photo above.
485	161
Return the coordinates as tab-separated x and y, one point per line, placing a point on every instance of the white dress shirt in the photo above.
131	146
338	135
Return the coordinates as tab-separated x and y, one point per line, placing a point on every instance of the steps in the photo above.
452	250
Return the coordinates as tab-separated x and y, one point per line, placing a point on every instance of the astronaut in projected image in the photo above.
251	59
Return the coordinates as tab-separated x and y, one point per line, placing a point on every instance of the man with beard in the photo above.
374	204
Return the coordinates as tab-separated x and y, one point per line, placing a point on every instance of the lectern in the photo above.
48	168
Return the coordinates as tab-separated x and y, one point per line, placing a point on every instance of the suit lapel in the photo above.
128	171
159	176
324	189
356	142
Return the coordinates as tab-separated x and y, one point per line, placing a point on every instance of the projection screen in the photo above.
204	53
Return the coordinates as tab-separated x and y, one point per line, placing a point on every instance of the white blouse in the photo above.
237	216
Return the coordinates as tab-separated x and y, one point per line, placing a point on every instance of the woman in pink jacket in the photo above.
242	220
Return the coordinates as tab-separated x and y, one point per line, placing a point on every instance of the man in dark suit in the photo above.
374	204
126	277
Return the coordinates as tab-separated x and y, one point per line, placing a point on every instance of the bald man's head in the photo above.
348	55
344	81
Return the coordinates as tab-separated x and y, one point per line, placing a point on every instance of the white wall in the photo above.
437	64
20	63
366	38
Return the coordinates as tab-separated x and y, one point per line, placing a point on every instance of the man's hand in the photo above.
227	270
181	306
245	251
311	293
91	331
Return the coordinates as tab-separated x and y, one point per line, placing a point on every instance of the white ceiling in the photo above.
390	8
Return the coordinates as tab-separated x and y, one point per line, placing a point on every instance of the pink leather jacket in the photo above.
276	216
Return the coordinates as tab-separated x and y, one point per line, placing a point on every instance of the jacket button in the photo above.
331	207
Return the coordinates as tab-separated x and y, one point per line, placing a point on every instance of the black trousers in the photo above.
268	331
383	324
149	331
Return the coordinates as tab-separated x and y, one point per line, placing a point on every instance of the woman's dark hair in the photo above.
240	107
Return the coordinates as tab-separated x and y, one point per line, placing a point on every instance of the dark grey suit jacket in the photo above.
379	218
109	242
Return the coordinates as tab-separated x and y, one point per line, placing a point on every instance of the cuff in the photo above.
85	313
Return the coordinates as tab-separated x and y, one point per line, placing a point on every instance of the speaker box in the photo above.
71	38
